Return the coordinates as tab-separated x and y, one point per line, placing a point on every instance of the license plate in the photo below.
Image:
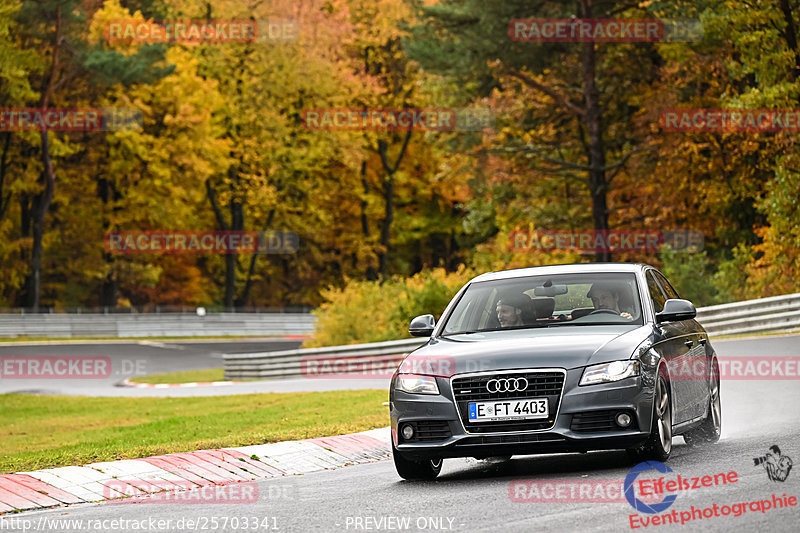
508	410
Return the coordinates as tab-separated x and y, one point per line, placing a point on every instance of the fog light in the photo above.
408	432
623	420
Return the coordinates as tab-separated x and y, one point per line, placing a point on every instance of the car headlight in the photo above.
416	384
608	372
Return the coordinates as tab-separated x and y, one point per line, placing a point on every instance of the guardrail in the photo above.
777	313
766	314
292	363
155	325
139	309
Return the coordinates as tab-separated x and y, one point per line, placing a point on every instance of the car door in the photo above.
696	341
671	348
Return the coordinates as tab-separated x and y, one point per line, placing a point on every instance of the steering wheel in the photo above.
598	311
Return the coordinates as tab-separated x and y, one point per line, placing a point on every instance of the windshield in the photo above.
543	301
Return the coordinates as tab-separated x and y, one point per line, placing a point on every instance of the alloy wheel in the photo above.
716	404
664	415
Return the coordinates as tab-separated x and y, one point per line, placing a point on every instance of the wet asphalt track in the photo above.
135	358
471	495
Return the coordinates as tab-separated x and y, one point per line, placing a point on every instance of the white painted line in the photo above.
382	434
60	483
91	482
133	470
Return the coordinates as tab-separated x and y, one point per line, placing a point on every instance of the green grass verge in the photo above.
48	431
186	376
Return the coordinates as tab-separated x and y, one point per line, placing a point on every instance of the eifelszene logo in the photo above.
777	466
636	503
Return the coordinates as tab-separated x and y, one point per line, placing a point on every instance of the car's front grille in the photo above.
598	421
433	430
511	439
541	384
473	388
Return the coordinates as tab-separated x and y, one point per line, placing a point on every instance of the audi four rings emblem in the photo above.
507	385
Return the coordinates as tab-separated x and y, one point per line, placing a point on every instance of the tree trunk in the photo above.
790	36
230	259
388	197
237	224
108	291
41	204
4	198
371	274
241	301
598	188
386	226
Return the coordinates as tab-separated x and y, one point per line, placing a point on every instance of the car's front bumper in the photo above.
581	422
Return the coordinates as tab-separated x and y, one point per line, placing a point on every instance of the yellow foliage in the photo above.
371	311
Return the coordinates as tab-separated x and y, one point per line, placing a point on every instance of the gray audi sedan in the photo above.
553	359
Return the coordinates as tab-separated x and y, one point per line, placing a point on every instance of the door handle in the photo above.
688	344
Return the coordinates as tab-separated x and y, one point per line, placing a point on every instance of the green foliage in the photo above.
730	279
370	311
111	67
690	274
698	278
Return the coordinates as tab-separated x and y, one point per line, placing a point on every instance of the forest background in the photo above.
575	144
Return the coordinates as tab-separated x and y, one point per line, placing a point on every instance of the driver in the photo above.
606	296
512	310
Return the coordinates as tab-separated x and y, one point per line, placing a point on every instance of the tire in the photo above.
710	429
658	446
416	470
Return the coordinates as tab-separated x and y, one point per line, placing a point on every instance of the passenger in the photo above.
606	296
513	310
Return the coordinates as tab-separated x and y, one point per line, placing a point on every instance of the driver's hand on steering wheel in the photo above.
626	315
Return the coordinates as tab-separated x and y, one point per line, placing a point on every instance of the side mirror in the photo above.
675	310
422	326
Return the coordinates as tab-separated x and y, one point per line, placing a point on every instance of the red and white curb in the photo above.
112	480
128	383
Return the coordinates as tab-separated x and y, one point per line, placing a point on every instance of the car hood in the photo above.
558	347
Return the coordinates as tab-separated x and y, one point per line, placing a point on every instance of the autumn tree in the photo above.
57	31
575	126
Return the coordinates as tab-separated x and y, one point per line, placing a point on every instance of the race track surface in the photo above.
473	495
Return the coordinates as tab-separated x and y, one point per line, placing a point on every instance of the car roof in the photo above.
573	268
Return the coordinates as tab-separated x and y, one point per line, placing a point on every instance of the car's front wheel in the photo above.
709	431
659	444
416	470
